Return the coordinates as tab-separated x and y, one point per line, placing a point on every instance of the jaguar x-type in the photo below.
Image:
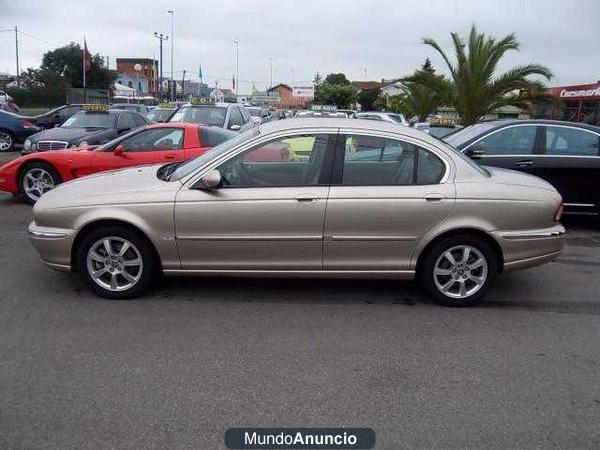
339	198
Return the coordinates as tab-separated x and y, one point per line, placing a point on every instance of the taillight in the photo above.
27	124
558	212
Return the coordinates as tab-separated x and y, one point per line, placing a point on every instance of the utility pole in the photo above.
237	67
174	87
161	37
183	85
17	54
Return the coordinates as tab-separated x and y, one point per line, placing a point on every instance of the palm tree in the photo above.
474	89
415	100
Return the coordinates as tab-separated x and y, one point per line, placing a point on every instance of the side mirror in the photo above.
211	180
119	150
475	152
235	127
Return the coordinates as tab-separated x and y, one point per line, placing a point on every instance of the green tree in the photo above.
335	94
318	79
474	87
337	78
64	65
367	99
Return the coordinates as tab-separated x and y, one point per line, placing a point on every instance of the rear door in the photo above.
571	162
151	146
385	195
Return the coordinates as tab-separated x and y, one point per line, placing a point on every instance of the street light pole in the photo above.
17	54
271	61
237	68
161	37
170	11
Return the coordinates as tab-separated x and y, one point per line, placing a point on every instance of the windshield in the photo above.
466	134
90	120
159	115
207	115
193	164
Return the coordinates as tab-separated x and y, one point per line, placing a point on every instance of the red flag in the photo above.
87	57
233	81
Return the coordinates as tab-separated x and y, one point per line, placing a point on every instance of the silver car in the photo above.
370	200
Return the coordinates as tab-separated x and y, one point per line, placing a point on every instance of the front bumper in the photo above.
53	245
529	248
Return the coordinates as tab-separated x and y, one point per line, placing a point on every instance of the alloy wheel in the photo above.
114	263
460	271
6	141
36	182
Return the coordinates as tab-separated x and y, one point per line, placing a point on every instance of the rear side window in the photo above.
211	137
571	142
235	117
377	161
139	120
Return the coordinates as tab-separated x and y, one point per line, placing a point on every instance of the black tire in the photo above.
7	136
56	179
435	254
149	269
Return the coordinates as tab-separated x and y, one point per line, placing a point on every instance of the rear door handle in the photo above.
524	163
169	156
305	198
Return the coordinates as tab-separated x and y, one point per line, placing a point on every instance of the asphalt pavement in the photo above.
178	367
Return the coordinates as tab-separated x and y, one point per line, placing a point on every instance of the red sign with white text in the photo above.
576	92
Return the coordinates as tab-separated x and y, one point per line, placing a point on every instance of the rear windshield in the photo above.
207	115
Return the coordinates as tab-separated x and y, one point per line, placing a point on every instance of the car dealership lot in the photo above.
196	356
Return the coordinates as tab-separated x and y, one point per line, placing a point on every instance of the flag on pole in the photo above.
87	57
233	81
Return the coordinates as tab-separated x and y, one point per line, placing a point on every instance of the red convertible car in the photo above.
32	175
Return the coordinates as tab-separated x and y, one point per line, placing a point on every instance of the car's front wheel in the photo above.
36	179
116	262
7	141
459	270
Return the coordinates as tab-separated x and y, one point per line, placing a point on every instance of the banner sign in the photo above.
303	91
323	108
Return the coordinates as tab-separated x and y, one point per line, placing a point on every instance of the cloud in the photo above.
383	37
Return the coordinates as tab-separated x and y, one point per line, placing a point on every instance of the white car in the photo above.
383	117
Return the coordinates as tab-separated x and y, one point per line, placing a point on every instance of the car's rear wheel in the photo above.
116	262
459	270
36	179
7	141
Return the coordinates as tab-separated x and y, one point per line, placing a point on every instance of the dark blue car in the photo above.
14	129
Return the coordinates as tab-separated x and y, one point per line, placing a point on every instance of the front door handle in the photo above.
434	198
169	156
305	198
524	163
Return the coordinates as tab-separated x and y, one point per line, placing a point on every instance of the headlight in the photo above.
83	143
27	145
34	147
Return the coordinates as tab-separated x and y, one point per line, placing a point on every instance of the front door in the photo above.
386	194
268	214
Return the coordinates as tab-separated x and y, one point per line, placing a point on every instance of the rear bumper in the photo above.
528	248
53	245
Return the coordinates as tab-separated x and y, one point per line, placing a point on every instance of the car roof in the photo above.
504	122
352	124
217	104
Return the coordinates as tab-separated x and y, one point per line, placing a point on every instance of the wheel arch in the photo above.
475	232
106	223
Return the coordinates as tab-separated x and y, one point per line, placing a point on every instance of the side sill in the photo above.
367	274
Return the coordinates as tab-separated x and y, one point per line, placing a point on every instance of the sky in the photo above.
365	39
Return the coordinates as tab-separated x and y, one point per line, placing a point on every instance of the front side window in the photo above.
377	161
509	141
125	122
156	139
571	142
290	161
